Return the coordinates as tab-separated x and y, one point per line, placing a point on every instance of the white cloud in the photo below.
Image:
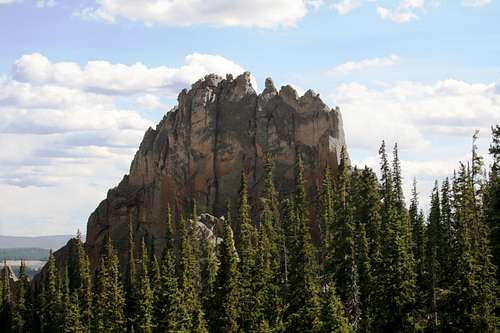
149	102
355	66
345	6
316	4
67	133
412	112
6	2
405	11
257	13
476	3
432	124
45	3
117	79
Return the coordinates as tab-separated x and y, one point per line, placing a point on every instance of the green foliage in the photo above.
333	315
109	302
225	301
144	311
303	311
168	299
72	322
375	265
130	281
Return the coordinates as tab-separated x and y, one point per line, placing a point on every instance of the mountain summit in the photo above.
220	127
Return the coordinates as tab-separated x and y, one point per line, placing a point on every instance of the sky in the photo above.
81	81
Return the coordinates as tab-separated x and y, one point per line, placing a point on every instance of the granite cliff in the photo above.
198	150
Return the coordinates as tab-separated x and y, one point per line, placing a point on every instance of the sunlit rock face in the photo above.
220	127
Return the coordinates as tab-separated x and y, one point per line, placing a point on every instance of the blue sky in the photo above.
80	81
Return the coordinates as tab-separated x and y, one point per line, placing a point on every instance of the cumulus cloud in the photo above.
345	6
69	132
356	66
405	11
45	3
103	77
432	124
411	112
476	3
258	13
149	102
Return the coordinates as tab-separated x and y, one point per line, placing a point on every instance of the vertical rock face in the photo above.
198	150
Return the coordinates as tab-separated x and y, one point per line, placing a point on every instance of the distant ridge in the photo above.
43	242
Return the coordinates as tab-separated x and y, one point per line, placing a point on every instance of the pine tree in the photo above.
492	199
367	211
109	302
433	248
209	268
6	300
184	270
267	273
470	304
449	252
333	315
396	282
84	284
246	266
303	312
343	264
225	301
327	216
365	279
72	323
143	321
270	197
130	282
22	316
169	299
417	223
199	324
52	316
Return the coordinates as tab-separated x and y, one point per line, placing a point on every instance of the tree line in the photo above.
376	266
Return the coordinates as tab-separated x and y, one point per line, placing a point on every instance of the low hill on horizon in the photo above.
53	242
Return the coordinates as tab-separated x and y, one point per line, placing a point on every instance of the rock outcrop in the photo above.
220	127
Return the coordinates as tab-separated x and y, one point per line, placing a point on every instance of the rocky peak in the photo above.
220	127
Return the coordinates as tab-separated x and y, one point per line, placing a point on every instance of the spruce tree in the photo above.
492	199
449	252
268	273
327	216
143	321
209	268
333	315
470	305
343	264
246	265
130	282
184	266
109	301
84	284
225	300
433	248
395	276
52	314
22	317
6	300
72	322
365	279
169	299
417	222
303	312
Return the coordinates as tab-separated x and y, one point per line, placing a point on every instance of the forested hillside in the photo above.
379	266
